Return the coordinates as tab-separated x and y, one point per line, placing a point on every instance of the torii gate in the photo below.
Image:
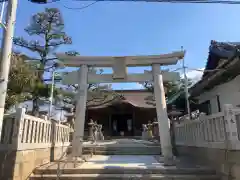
119	65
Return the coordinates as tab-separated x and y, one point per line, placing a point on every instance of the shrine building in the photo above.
123	116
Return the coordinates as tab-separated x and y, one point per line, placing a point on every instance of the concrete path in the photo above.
136	161
115	161
120	143
104	161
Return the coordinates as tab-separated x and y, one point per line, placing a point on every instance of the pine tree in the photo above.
47	30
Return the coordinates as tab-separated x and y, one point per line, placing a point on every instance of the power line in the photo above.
205	70
201	70
198	2
79	8
181	1
160	1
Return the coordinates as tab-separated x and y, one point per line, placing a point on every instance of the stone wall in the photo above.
27	142
226	162
18	165
213	140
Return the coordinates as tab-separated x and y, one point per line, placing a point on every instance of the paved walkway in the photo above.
115	161
125	161
104	161
121	143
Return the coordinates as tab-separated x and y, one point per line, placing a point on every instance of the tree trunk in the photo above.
35	107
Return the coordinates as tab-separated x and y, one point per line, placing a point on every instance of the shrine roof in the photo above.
222	65
136	98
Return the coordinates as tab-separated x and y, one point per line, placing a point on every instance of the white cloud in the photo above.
195	75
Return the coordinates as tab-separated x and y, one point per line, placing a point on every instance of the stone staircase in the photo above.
150	150
121	147
117	170
124	160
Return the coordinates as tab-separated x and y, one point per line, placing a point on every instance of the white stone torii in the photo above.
119	65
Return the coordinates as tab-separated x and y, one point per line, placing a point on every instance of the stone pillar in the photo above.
162	117
230	125
18	128
80	112
90	129
156	131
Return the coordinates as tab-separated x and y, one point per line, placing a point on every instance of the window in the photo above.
205	107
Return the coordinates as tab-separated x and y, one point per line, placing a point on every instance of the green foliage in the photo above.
171	88
97	95
49	27
40	89
47	30
21	81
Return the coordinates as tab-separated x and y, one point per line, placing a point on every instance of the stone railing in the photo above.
28	142
212	141
220	130
21	131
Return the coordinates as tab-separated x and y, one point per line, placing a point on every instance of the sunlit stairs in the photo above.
67	172
150	150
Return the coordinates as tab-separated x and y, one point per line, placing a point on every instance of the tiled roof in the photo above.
222	60
136	99
219	51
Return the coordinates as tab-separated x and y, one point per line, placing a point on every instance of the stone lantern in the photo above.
173	113
90	130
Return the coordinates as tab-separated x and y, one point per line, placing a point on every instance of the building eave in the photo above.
222	65
227	73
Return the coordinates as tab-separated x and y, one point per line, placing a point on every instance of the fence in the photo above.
220	130
21	131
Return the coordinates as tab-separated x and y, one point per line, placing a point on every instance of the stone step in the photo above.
97	152
102	150
123	177
126	170
124	148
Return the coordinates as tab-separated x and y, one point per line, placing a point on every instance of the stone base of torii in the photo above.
119	64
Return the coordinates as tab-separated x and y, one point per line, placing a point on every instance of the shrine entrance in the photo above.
119	65
122	125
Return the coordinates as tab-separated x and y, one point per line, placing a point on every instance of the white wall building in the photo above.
220	83
226	93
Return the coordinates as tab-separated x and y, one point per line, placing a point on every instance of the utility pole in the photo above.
51	95
2	12
6	54
186	88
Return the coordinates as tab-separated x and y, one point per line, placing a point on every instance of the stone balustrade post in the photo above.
53	139
100	133
90	130
18	128
231	135
203	133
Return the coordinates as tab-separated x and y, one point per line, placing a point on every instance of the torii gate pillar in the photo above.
162	117
77	142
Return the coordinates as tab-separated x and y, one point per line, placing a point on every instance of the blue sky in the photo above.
128	28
